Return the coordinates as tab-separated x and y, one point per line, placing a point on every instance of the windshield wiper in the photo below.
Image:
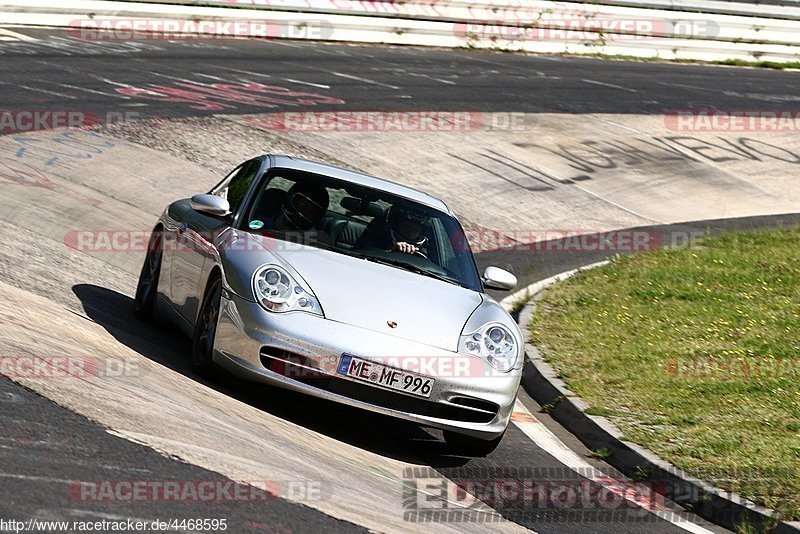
411	267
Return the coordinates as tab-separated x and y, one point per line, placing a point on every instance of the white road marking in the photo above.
685	86
577	185
403	72
613	86
45	91
620	486
210	77
176	78
16	36
320	85
615	204
34	478
112	82
111	517
448	82
284	43
243	71
7	396
365	80
321	51
548	76
94	91
763	96
752	96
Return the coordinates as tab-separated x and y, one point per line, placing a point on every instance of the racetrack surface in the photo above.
101	76
66	302
45	447
55	300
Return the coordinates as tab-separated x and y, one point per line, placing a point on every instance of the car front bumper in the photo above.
468	396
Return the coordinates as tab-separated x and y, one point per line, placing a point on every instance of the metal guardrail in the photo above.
491	10
531	25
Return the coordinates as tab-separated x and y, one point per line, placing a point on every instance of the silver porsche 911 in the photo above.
343	286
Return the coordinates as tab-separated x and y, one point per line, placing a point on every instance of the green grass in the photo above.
760	64
695	354
728	62
520	302
601	453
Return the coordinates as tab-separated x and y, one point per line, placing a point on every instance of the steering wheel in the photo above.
421	254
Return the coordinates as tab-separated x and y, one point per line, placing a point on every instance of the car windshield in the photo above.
324	212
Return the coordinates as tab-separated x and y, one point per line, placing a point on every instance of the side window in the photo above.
268	201
221	189
240	183
444	247
235	185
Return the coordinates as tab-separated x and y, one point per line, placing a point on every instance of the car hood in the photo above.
370	295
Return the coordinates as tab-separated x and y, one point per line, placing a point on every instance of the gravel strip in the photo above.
215	143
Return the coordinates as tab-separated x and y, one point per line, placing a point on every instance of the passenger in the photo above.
303	207
294	214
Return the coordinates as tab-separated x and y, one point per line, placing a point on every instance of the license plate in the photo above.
388	377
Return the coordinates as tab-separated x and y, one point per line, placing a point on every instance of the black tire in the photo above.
147	288
463	445
205	331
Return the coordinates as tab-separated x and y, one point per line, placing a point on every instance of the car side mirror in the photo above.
497	278
211	205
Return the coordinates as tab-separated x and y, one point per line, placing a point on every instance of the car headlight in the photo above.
494	343
277	291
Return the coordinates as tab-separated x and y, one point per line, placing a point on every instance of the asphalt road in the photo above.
46	446
47	452
159	78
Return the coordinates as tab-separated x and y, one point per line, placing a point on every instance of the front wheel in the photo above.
464	445
205	331
144	303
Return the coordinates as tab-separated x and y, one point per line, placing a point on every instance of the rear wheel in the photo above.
144	303
464	445
205	331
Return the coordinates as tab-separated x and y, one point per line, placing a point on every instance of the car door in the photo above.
195	239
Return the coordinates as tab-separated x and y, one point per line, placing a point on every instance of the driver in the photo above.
403	230
303	207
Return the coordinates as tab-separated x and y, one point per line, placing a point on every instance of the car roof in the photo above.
291	162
